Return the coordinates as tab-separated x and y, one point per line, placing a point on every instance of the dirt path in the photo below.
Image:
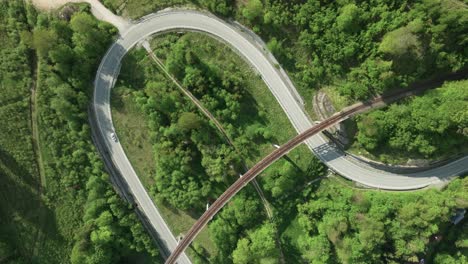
97	8
35	128
36	148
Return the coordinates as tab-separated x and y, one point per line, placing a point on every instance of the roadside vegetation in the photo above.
343	225
27	230
351	49
192	162
135	9
374	45
76	217
430	126
356	49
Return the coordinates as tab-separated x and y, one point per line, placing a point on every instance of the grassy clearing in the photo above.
134	134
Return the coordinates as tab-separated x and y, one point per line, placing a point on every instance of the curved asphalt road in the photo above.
192	20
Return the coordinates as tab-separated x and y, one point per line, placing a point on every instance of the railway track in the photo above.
293	143
261	166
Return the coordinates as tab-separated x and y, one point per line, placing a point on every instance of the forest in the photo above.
424	126
358	48
242	232
58	205
193	162
79	216
344	225
363	48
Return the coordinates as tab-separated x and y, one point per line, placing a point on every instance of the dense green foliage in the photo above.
258	246
192	160
454	246
137	8
363	48
241	214
77	217
351	226
426	126
25	234
373	45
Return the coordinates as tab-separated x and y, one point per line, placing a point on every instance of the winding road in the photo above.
277	82
271	158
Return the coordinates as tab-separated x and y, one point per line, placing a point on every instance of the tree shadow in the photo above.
17	169
133	74
293	255
250	110
24	214
294	164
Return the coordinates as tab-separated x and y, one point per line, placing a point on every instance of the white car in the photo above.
113	137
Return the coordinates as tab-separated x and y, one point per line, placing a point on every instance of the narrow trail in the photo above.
35	127
221	129
35	143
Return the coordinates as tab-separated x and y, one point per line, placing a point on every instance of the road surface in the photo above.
270	159
284	93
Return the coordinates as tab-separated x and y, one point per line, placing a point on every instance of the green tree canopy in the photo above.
400	42
44	40
253	9
349	18
188	121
